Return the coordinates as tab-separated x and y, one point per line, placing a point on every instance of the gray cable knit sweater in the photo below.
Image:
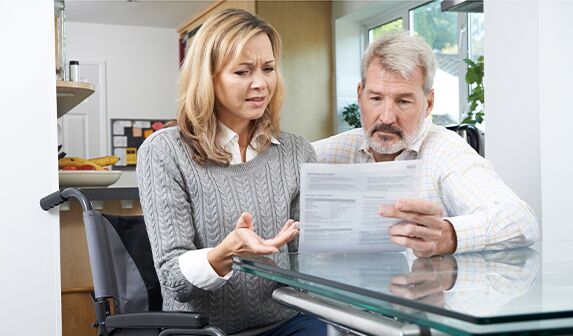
189	206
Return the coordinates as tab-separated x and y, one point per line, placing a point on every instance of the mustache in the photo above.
386	128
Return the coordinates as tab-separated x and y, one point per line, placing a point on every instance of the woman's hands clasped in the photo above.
243	240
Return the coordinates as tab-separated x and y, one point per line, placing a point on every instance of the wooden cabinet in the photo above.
305	28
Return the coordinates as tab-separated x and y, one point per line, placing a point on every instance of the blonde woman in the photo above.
225	181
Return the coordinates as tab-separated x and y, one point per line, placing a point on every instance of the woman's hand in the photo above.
243	240
248	242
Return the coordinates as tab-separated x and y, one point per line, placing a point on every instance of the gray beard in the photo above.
399	145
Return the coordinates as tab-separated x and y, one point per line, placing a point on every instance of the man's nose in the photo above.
387	113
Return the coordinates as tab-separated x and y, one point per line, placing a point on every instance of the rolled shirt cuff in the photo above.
197	270
470	232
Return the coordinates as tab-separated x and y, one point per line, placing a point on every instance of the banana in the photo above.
105	160
76	161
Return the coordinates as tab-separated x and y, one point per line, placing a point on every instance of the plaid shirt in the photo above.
485	213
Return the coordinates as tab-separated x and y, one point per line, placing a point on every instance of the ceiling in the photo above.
151	13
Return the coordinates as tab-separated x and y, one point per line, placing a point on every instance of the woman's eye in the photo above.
241	72
269	69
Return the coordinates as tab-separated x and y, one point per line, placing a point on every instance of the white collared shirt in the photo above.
194	264
229	140
484	212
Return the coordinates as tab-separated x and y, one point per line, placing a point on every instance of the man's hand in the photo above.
427	281
422	228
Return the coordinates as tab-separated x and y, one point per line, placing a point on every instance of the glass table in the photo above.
516	291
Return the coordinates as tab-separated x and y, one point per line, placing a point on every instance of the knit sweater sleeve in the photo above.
167	212
304	153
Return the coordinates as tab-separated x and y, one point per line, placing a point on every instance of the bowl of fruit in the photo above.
80	172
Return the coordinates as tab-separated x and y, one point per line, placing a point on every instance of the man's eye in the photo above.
376	99
404	102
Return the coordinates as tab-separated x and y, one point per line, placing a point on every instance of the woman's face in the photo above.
244	87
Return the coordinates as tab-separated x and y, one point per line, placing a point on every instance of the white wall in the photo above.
142	70
142	66
555	114
347	66
512	95
528	80
29	237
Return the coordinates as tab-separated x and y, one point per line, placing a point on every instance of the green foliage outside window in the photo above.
474	78
436	27
392	26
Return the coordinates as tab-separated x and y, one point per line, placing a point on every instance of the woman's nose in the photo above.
259	81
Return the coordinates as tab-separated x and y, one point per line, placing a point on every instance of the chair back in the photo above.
472	134
121	262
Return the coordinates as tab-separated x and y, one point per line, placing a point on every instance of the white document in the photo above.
339	204
119	141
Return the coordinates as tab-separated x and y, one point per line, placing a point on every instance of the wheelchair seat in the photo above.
127	292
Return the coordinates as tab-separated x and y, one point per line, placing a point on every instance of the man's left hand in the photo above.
422	228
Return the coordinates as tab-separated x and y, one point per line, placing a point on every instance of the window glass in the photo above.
476	38
475	51
376	32
439	29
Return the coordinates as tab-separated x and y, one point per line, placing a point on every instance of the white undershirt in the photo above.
194	264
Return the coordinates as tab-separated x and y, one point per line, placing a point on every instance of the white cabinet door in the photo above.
84	128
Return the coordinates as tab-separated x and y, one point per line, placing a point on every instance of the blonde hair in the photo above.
402	53
219	41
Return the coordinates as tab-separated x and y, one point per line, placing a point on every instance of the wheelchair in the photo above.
127	293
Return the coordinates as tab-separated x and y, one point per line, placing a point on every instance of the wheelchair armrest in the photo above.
180	320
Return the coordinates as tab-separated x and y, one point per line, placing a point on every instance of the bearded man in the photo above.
463	204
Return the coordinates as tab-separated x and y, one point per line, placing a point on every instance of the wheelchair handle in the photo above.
60	196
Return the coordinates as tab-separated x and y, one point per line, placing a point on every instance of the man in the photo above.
463	205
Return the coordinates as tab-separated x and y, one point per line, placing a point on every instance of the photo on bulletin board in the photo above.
127	135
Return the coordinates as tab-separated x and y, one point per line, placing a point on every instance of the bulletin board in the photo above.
127	135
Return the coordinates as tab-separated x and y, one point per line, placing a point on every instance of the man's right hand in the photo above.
427	281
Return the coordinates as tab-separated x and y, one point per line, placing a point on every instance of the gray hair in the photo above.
402	53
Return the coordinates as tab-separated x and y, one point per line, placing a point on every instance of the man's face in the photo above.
393	108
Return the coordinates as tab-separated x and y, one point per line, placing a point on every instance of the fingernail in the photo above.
383	210
297	225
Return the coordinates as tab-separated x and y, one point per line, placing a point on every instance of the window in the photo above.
476	32
376	32
440	31
453	37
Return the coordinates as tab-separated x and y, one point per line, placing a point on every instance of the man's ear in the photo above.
359	90
430	102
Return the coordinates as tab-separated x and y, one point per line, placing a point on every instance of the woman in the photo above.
225	181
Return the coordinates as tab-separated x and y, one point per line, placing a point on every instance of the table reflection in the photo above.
477	284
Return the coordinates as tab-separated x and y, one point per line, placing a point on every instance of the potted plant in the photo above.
351	114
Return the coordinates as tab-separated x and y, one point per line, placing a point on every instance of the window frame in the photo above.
403	11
